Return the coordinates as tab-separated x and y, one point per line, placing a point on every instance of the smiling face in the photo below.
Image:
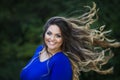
53	38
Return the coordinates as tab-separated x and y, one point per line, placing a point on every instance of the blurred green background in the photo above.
21	23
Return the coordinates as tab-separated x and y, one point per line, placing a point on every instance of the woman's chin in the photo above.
51	48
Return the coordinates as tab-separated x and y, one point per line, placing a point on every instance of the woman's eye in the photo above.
58	35
49	33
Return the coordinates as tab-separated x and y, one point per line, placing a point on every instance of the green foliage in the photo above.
21	23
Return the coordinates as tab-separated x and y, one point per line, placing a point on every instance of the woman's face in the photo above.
53	38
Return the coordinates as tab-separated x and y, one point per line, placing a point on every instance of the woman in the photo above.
70	46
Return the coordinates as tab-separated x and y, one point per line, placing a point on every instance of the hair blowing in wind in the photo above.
89	49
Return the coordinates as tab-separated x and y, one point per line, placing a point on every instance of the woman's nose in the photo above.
52	37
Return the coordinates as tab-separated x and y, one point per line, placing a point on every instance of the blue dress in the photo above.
58	67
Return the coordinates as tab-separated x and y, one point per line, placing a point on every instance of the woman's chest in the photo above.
36	70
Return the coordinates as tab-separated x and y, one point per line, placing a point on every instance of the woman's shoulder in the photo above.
60	57
60	61
37	51
39	48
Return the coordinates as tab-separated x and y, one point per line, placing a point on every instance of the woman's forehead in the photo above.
54	29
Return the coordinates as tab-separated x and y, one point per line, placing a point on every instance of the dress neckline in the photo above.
48	58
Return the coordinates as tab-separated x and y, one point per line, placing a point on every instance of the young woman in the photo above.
70	46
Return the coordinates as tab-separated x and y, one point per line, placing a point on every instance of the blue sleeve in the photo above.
61	70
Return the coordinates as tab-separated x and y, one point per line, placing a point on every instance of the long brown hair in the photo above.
85	47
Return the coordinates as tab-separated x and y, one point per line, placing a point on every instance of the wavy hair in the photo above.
88	49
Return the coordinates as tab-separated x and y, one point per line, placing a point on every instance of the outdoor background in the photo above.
21	23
